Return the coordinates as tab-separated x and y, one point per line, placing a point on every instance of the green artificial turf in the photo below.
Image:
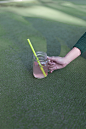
59	100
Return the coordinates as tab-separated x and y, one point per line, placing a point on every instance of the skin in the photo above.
56	62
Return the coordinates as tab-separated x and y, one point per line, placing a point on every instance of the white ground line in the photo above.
14	1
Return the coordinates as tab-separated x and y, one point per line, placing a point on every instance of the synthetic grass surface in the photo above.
55	102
